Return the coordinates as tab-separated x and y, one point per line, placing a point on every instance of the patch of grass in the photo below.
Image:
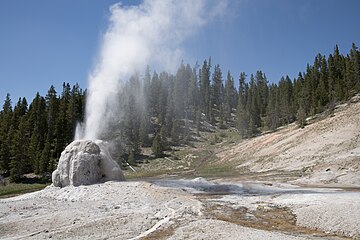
14	189
148	173
217	171
197	160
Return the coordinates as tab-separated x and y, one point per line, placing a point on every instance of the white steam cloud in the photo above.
150	33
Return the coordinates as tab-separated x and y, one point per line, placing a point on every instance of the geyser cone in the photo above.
85	162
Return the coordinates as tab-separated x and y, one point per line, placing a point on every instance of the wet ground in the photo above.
262	215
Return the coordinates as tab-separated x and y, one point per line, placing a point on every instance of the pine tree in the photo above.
163	136
132	125
338	75
262	91
298	90
355	58
52	109
157	147
315	76
323	87
322	95
193	94
230	97
45	158
181	90
205	90
252	107
62	122
331	79
272	110
210	112
74	112
198	122
6	115
285	100
131	158
145	120
146	91
175	132
14	164
163	96
19	140
37	121
217	87
154	95
301	103
144	131
170	115
301	117
222	120
354	67
241	111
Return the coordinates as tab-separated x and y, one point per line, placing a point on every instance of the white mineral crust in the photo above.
84	162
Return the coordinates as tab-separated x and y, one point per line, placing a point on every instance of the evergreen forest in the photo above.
161	110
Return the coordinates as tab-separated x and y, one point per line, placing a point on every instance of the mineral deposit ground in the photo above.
290	184
182	209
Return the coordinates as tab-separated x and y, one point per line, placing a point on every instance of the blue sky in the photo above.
45	43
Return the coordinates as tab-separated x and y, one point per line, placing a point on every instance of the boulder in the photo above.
85	162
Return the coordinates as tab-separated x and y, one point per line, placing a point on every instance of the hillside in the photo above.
326	151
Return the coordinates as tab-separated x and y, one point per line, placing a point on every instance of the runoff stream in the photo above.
249	204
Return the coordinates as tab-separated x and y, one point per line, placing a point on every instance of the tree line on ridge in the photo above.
160	110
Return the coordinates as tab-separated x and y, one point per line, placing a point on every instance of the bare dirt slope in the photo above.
326	151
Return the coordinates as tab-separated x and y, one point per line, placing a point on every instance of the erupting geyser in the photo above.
85	162
150	33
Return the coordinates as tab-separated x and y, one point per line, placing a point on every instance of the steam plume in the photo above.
150	33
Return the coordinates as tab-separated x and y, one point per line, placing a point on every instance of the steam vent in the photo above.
84	162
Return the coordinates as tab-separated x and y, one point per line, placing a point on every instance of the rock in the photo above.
84	162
